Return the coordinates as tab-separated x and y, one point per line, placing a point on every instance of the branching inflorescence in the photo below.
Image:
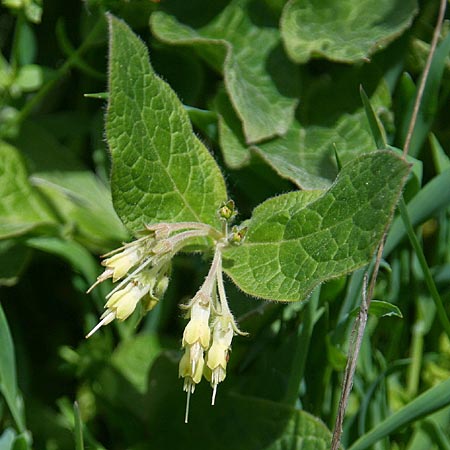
141	269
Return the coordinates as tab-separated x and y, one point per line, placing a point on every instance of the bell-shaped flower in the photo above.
217	355
122	262
191	377
123	302
197	333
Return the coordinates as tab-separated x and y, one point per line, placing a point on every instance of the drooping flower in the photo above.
218	353
123	302
120	261
142	267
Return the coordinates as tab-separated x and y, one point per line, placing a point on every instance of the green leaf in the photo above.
98	96
235	151
378	133
31	8
26	44
305	155
134	357
161	171
440	158
22	442
85	204
21	208
344	31
266	425
8	376
378	308
262	83
74	253
430	103
7	439
13	259
78	431
298	240
428	202
29	78
39	142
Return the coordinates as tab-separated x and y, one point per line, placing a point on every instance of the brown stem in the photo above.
426	71
367	295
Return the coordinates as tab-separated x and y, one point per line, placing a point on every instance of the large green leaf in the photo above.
134	357
74	253
161	171
257	424
345	31
261	83
301	239
306	153
84	203
21	208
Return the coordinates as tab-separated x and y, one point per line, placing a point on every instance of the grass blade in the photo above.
433	399
78	431
442	315
8	379
375	125
425	204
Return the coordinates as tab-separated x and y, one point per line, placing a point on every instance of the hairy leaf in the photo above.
261	84
298	240
161	171
305	155
345	31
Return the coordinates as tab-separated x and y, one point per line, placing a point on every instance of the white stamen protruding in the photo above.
188	400
108	318
213	399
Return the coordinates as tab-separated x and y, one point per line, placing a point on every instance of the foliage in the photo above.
297	112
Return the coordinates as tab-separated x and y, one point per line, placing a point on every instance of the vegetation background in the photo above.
273	89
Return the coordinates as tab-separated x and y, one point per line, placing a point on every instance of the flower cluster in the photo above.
208	334
141	270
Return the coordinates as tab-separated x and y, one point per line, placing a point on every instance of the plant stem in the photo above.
426	70
353	352
355	344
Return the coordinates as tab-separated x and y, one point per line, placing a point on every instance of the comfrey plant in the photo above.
141	270
163	176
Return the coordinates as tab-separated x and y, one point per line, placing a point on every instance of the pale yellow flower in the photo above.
217	355
120	263
123	302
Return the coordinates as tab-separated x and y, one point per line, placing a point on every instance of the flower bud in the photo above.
227	211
